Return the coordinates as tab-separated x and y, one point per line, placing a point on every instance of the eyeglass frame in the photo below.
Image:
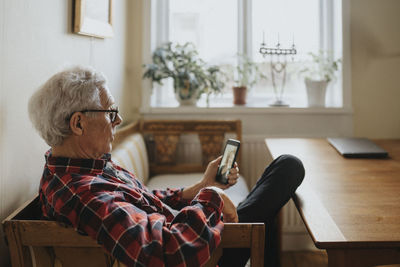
113	111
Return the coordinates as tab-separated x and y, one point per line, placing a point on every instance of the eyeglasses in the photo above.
112	113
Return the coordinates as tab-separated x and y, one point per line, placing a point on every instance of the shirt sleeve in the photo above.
172	197
136	237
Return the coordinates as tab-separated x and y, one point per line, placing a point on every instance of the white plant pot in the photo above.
186	101
316	92
185	93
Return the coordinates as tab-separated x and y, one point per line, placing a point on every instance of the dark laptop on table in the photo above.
353	147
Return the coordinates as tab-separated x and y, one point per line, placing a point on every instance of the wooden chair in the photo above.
44	243
36	242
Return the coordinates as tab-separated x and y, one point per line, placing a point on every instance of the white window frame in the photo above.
156	32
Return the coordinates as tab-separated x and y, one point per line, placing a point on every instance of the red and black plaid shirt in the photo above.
105	201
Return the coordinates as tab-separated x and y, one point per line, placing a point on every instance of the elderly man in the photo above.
75	114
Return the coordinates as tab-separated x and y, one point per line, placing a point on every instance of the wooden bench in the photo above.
172	153
33	241
162	138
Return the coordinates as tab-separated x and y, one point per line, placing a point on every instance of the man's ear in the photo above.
75	123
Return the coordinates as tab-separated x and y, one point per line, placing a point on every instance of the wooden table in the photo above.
351	207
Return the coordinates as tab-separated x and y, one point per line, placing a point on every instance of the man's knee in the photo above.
294	167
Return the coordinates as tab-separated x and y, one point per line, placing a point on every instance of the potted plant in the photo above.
191	76
317	75
244	75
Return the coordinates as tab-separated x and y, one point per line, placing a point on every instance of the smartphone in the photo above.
228	160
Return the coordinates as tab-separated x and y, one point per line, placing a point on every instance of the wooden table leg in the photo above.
362	257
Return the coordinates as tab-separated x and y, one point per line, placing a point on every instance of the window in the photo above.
222	29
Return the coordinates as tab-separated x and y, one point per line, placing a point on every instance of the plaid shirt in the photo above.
101	199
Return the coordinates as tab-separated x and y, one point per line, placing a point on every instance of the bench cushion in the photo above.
132	155
236	193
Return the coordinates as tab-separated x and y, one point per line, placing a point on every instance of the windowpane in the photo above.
211	25
286	22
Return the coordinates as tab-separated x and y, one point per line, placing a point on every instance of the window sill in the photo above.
267	121
244	110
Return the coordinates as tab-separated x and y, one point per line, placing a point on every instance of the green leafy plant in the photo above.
321	67
183	65
246	73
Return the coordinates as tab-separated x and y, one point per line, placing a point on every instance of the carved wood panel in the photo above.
162	141
211	146
195	126
166	145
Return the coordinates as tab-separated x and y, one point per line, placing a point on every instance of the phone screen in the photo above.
228	160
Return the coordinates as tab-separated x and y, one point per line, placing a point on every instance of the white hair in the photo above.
66	92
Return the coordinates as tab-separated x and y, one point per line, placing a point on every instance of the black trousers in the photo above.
271	192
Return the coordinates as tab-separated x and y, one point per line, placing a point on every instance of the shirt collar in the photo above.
72	165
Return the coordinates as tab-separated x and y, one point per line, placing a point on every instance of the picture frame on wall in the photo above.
93	18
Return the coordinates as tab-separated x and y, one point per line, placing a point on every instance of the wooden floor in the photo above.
304	259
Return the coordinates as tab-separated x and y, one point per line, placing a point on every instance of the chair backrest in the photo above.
35	242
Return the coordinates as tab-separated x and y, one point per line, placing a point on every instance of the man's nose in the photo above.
118	121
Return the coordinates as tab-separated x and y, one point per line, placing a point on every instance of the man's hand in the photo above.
229	210
209	179
211	172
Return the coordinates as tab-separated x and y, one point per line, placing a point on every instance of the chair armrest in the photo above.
242	235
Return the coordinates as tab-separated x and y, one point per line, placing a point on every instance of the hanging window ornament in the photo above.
278	62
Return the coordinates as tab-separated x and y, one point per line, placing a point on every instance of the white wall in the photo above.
36	41
375	56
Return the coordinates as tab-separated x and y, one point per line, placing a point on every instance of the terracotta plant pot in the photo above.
239	95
